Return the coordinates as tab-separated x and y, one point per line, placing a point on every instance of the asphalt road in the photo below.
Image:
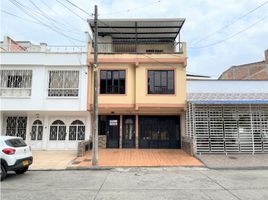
141	183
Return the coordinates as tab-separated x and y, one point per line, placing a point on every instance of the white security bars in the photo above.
15	83
63	84
228	128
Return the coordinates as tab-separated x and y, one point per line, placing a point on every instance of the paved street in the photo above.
139	183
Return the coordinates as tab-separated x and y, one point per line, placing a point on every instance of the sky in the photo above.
219	34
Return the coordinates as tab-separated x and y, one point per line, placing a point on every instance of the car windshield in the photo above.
16	142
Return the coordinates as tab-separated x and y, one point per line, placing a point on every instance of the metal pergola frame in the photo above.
135	28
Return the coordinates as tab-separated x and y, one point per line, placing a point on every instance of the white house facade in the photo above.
44	98
226	116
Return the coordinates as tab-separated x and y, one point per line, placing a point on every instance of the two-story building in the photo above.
43	94
142	82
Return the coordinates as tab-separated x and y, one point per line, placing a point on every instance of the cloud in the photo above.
203	17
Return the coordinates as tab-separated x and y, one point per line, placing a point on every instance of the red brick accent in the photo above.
251	71
14	46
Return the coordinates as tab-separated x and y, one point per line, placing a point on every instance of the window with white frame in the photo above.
63	83
15	83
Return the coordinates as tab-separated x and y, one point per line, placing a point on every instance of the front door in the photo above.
159	132
112	133
36	135
128	140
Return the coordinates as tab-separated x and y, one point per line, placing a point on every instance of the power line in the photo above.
84	11
70	10
237	33
57	13
167	64
21	18
20	6
231	23
50	19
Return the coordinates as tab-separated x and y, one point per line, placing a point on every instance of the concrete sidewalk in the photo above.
110	158
235	161
52	160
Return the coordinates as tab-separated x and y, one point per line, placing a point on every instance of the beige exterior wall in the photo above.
129	97
179	81
136	99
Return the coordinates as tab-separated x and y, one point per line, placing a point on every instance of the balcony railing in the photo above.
150	48
43	48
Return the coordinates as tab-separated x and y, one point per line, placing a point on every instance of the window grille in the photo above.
57	130
77	130
15	83
228	128
37	130
63	83
16	126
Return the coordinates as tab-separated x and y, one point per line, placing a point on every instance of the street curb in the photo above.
122	167
239	168
133	167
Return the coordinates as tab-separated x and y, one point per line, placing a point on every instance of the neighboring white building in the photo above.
43	97
226	116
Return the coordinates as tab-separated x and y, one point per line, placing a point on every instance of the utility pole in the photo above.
95	103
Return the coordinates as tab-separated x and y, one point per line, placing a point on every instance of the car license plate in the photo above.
25	162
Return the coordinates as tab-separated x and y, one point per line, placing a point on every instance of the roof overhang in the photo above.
229	102
139	30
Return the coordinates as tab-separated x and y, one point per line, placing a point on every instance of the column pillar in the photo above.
137	131
46	133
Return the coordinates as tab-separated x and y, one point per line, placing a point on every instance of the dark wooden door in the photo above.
129	132
112	133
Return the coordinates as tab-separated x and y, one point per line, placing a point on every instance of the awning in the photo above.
139	30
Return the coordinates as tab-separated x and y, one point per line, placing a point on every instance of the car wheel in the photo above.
3	172
22	170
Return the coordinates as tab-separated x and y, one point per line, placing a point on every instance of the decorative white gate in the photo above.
228	128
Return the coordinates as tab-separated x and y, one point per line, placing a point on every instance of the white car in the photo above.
16	155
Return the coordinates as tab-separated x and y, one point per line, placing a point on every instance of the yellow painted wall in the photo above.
136	91
129	97
141	85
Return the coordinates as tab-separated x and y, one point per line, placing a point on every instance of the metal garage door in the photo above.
159	132
230	128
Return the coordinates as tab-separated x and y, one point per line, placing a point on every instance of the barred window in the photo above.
63	83
37	130
15	83
77	130
57	130
16	126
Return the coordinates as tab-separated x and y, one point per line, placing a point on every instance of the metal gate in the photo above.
159	132
228	128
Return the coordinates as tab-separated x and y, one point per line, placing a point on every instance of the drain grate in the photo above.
87	160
